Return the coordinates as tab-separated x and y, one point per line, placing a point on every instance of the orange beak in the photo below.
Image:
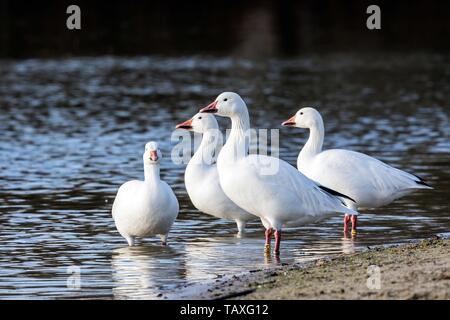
153	155
289	122
211	108
185	125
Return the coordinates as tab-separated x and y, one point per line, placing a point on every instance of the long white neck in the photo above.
209	148
315	142
151	173
238	143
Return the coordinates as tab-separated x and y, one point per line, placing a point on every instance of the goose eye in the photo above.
199	118
301	113
225	99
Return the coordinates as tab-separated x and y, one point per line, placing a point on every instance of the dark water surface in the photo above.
73	130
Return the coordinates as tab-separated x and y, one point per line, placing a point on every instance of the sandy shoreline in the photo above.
410	271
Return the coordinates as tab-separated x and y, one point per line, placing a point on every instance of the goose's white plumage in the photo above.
368	181
266	186
201	177
145	208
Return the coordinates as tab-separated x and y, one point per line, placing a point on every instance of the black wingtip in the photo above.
335	193
421	181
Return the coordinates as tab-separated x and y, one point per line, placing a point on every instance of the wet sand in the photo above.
411	271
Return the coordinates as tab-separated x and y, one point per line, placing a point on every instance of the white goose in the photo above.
266	186
201	176
145	208
368	181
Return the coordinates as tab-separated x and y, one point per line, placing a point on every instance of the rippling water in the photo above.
73	130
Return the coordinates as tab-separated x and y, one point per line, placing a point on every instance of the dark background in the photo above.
242	28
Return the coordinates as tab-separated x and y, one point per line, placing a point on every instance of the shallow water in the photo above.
73	130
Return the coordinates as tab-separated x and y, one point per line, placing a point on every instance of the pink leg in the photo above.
268	235
346	221
277	241
354	221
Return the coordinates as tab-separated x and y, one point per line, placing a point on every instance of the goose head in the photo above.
152	154
304	118
200	123
227	104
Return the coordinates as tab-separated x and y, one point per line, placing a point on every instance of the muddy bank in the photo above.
412	271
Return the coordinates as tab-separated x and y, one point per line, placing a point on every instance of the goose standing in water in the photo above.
281	196
368	181
145	208
201	176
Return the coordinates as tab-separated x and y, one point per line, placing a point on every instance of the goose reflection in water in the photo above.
348	245
141	272
206	258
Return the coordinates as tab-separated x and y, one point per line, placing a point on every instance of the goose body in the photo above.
368	181
201	175
145	208
286	199
266	186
